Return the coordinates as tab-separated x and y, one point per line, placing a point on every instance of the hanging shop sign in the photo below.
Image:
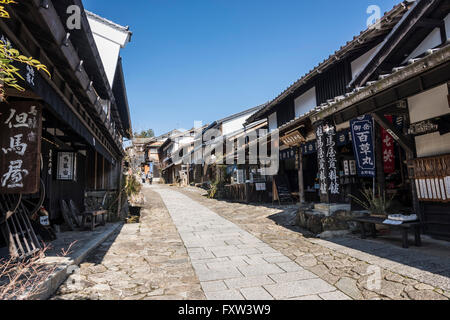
344	137
346	168
293	139
67	166
309	148
327	159
20	147
330	132
423	127
388	149
321	158
362	135
287	154
260	186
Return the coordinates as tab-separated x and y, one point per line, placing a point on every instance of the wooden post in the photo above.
379	158
103	173
119	182
415	198
301	183
95	172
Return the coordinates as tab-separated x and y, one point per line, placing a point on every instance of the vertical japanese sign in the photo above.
321	158
66	166
362	135
20	147
388	149
330	132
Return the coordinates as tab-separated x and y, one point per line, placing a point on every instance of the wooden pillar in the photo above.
381	179
415	197
301	183
103	173
95	171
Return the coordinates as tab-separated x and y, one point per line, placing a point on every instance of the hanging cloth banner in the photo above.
388	149
322	161
330	132
362	135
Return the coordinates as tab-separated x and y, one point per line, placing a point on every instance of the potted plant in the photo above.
376	203
132	189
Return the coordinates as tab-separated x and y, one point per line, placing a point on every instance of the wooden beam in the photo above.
430	23
405	142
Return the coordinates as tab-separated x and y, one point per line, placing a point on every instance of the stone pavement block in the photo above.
228	263
218	274
254	260
248	282
213	286
299	288
256	293
260	270
335	295
307	298
277	259
227	295
267	249
233	251
293	276
290	266
349	287
200	267
201	255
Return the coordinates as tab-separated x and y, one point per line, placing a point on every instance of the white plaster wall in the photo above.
273	122
359	64
431	41
109	53
234	124
432	145
306	102
429	104
109	41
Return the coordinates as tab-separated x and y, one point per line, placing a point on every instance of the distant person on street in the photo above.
144	177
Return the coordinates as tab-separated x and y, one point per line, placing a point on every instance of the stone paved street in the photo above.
190	247
346	263
145	261
233	264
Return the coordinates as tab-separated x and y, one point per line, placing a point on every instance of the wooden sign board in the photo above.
20	147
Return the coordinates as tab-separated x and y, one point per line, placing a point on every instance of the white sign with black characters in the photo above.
260	186
66	166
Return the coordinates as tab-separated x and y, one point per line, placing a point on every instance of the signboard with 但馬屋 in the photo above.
20	147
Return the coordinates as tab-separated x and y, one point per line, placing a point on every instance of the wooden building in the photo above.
392	80
85	114
290	114
408	76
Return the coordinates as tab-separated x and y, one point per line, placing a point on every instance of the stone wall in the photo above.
320	221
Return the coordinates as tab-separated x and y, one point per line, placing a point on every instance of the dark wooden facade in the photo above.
74	120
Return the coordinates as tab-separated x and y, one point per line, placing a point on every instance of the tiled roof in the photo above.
388	21
370	86
108	22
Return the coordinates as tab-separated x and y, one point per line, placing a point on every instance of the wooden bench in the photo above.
94	217
404	227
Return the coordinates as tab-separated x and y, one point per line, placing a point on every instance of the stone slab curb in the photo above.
51	285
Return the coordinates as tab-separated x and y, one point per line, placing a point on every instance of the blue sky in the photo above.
202	60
